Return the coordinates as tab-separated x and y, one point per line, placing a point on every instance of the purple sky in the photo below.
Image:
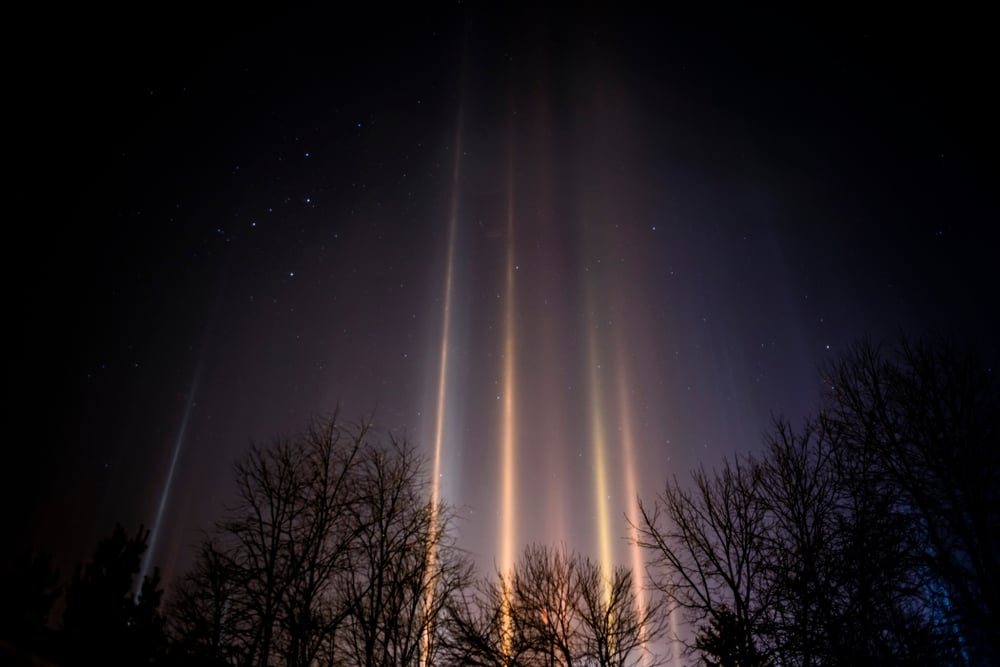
249	225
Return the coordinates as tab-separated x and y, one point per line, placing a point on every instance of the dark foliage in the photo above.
27	592
926	418
105	621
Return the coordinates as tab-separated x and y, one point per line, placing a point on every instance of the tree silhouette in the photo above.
800	490
706	550
845	572
479	628
260	590
722	641
29	588
332	555
104	620
402	566
204	616
927	417
555	608
869	535
620	627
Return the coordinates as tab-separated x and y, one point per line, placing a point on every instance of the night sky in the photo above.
582	251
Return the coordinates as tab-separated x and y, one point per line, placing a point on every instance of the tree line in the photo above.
869	534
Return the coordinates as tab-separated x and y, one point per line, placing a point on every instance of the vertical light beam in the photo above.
442	390
599	439
442	383
631	489
508	424
168	484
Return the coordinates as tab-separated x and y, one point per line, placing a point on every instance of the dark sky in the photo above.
657	225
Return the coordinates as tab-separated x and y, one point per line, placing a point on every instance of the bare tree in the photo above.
620	628
322	536
401	568
799	558
206	616
800	491
480	629
555	608
927	417
870	535
331	555
841	559
544	604
258	531
706	557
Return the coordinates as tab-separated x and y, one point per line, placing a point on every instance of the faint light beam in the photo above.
161	508
168	484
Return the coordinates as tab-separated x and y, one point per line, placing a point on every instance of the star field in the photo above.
570	254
